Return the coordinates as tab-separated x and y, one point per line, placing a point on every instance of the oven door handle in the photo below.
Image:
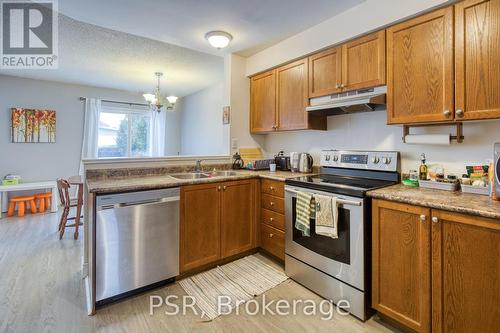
340	201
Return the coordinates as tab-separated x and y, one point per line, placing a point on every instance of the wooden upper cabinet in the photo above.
200	226
363	62
420	80
465	273
292	96
238	217
263	116
401	275
477	59
325	72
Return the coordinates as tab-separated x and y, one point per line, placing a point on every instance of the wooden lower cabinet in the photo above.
401	275
465	273
238	216
218	220
272	240
435	271
200	226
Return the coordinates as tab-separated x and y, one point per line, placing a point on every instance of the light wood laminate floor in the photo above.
41	290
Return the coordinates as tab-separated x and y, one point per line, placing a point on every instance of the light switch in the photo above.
234	143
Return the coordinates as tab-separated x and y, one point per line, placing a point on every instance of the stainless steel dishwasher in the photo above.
137	242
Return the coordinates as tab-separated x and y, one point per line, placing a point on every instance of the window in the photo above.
124	132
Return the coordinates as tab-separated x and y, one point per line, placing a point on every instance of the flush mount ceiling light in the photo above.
155	100
218	39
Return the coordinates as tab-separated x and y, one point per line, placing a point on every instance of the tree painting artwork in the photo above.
33	125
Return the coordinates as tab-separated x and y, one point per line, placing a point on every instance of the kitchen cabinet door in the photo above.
477	59
325	72
465	273
401	274
238	217
363	62
263	116
420	86
292	96
200	225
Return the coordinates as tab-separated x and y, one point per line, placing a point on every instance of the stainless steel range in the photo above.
339	269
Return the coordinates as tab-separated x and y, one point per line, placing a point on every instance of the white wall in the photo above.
202	131
173	132
368	131
45	161
367	16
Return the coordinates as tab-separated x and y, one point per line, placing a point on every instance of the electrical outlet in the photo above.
234	143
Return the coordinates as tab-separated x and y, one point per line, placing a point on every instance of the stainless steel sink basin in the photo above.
223	173
190	175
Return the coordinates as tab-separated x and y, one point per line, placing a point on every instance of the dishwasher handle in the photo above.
137	203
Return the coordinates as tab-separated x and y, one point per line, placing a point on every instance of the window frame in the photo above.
131	110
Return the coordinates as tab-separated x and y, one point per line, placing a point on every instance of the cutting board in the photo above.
249	155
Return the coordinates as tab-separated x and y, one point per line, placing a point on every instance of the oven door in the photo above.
342	258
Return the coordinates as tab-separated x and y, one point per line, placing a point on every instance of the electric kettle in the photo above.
305	162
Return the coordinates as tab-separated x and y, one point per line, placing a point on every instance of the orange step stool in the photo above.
21	201
44	201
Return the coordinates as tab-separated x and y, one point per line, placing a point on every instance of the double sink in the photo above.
201	175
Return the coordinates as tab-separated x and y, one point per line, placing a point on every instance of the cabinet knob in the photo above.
271	203
271	219
224	188
342	85
423	218
218	188
337	86
271	235
271	188
447	113
435	219
459	113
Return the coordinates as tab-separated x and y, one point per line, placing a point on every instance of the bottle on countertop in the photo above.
423	168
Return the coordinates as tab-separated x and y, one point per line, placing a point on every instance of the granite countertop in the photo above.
140	183
466	203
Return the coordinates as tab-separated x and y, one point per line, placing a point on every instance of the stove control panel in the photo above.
365	160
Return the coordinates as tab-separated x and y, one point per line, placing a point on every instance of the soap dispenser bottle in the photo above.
423	168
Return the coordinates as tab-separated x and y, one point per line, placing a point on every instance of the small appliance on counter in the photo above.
282	161
238	162
301	162
496	170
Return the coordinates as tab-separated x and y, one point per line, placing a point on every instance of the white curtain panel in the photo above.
157	132
90	129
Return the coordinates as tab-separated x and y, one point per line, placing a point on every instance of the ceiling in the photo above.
121	43
100	57
254	24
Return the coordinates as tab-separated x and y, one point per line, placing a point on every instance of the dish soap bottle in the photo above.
423	168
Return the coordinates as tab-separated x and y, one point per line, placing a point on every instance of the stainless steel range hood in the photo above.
363	100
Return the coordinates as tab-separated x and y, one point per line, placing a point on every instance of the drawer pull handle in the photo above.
271	235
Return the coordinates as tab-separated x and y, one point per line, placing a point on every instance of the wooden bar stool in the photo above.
44	201
21	202
67	203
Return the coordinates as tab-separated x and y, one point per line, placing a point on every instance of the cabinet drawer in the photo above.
273	187
274	219
272	240
273	203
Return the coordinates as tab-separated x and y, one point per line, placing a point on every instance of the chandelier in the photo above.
156	100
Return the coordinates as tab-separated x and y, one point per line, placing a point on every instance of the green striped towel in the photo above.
304	211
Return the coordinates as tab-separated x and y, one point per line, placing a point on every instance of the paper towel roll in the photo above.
427	139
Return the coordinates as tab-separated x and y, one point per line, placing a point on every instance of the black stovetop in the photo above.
353	186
